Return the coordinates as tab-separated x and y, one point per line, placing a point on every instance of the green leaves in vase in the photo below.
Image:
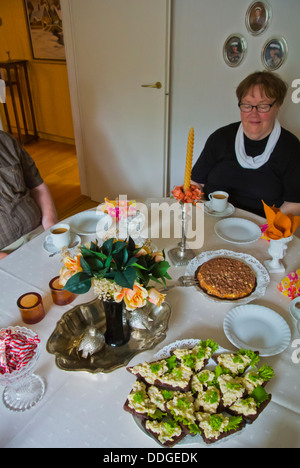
121	262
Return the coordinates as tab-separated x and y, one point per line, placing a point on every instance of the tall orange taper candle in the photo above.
189	160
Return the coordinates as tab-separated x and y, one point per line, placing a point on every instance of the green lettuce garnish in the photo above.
171	362
158	414
170	425
233	424
209	344
266	372
189	360
219	370
167	394
251	354
211	396
216	421
182	403
139	396
260	395
155	367
233	386
212	345
194	429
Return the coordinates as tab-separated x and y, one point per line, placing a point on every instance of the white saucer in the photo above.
237	230
49	247
257	328
220	214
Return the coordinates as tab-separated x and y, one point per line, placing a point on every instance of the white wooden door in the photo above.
114	47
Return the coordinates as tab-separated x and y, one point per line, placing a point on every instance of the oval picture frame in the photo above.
258	17
274	53
234	50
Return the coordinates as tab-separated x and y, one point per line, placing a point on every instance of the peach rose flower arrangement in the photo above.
117	271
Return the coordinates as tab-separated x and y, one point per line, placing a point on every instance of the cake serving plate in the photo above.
65	340
262	276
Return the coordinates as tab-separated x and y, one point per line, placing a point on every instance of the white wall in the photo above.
203	86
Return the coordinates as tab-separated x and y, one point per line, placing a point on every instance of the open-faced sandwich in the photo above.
187	394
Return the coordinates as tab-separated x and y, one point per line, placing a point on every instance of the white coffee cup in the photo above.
60	235
294	308
218	200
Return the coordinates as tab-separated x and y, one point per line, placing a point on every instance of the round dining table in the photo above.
85	410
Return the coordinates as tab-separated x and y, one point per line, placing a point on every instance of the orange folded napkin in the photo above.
280	225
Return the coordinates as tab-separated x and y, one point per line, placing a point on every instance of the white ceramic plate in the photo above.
86	222
257	328
208	210
237	230
262	276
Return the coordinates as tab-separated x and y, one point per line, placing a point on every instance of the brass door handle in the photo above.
157	85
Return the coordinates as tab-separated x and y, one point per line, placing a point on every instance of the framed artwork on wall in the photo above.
274	53
44	21
258	17
234	50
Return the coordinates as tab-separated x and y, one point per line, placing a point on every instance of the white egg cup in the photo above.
277	250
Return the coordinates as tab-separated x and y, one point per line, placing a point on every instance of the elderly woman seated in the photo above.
255	159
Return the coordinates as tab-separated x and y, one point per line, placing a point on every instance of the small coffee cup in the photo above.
294	308
60	235
218	201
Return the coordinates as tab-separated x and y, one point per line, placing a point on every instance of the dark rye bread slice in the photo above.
249	419
173	440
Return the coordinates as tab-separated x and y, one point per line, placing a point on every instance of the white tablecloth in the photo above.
86	410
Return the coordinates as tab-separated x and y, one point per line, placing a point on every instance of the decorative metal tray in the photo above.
65	339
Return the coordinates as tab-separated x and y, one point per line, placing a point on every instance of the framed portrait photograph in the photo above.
44	21
258	17
274	53
234	50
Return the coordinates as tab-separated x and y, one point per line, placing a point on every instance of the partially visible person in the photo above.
26	205
255	159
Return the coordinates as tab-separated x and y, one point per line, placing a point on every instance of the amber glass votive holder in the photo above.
59	295
31	307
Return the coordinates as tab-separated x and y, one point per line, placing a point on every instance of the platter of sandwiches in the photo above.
196	392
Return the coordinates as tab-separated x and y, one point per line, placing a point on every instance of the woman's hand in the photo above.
290	208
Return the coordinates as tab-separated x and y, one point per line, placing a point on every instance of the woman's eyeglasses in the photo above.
261	108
